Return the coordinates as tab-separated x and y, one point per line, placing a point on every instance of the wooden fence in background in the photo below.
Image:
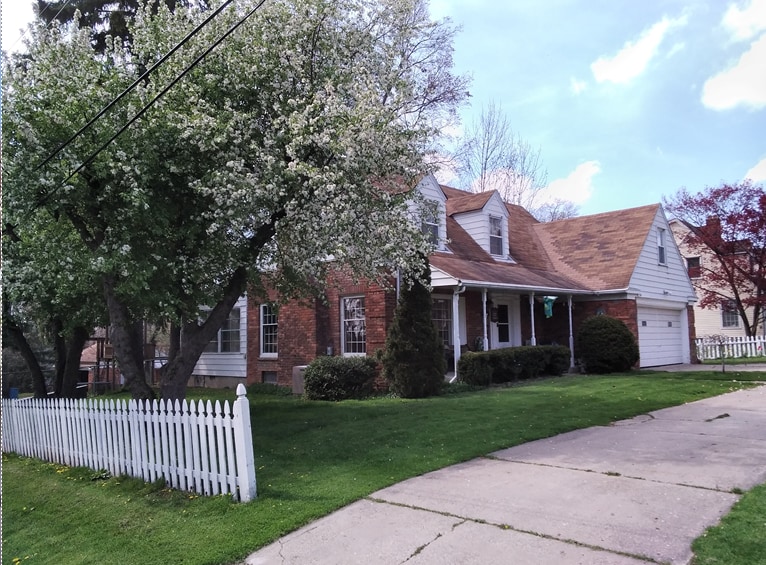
197	447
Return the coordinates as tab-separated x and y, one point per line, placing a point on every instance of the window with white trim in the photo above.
430	221
269	331
729	314
441	314
661	255
227	339
353	326
495	235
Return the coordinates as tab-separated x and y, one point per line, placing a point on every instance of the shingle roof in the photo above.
588	253
600	251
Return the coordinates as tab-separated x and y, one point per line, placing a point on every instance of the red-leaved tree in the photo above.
727	229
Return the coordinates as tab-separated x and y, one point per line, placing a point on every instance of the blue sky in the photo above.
627	101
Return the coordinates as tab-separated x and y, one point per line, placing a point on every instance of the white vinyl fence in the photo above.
730	347
195	447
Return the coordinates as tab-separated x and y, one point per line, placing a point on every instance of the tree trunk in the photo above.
72	366
21	343
185	351
128	344
59	346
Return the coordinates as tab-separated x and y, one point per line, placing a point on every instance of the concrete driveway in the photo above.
636	492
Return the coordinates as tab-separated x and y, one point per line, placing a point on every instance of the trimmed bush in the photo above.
513	364
339	378
606	345
475	368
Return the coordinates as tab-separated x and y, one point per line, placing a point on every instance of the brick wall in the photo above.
310	328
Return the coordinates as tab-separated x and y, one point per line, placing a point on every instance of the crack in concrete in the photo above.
607	473
507	527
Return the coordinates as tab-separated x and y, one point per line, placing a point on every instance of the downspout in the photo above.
571	337
484	318
532	341
460	289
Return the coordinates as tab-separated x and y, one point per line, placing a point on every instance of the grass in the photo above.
311	458
735	361
740	538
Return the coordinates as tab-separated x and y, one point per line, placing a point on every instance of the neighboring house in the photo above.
224	362
720	320
500	279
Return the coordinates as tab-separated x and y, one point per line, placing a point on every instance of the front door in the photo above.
506	325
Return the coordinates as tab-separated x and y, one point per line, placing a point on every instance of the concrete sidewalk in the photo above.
639	491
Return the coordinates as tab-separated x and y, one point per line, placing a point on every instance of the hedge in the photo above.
513	363
339	378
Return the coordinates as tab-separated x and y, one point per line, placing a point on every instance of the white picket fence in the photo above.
194	447
730	347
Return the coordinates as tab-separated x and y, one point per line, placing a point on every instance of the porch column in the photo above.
571	337
484	317
532	341
456	325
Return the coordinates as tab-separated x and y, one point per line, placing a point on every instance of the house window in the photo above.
269	331
441	314
495	236
693	267
661	259
430	221
227	338
353	326
729	314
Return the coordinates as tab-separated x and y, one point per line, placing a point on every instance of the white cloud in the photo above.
634	57
576	187
743	84
745	23
577	86
758	172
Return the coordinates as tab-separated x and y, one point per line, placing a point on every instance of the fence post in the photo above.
243	441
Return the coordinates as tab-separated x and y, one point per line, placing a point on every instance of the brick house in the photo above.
500	279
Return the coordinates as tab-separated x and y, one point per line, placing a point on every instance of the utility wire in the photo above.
151	102
135	83
39	17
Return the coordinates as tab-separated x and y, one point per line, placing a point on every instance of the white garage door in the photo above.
660	336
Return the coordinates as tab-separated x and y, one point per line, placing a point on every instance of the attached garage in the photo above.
662	336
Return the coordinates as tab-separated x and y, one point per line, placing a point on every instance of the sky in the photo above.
627	101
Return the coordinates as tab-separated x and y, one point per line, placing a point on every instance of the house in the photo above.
500	279
720	319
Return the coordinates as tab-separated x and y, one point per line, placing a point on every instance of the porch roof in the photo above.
584	255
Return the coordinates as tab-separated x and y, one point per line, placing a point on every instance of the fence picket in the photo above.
732	347
193	446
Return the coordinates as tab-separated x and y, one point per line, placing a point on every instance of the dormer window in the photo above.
495	235
430	221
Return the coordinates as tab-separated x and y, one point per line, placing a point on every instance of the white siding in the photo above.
227	364
668	282
663	291
707	321
430	190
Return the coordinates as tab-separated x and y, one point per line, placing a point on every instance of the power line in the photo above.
135	83
40	17
146	107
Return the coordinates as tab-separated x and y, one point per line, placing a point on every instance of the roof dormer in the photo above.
485	218
432	212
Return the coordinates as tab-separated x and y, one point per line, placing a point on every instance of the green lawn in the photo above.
736	361
311	458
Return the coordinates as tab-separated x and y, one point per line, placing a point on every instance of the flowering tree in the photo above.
727	225
266	161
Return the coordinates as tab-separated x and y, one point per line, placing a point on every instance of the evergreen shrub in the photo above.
606	345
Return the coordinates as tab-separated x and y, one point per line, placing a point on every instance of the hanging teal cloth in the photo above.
548	305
